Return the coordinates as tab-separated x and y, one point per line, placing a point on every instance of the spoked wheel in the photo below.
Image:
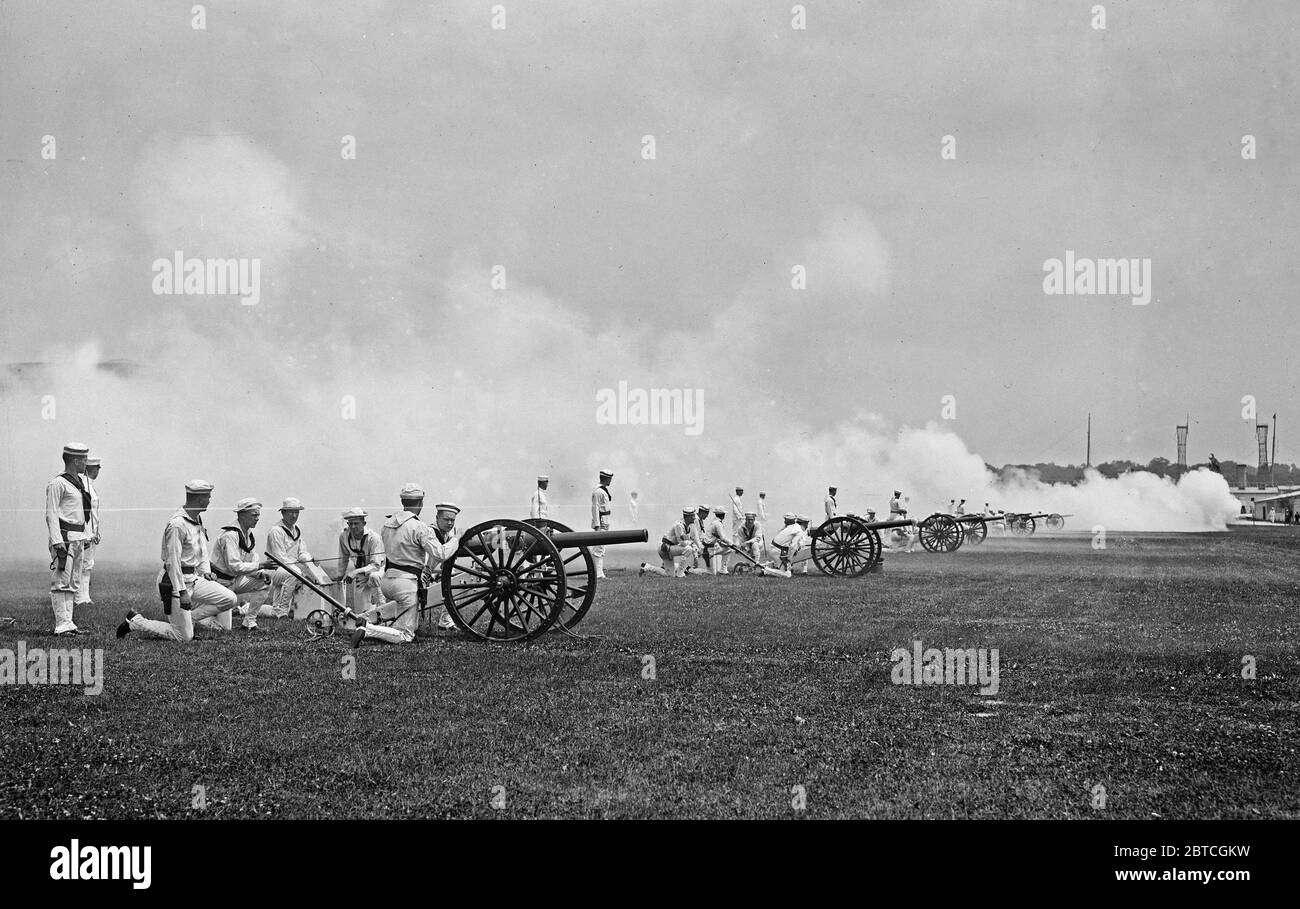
975	532
505	583
845	547
742	569
940	533
1055	522
1024	526
320	623
579	575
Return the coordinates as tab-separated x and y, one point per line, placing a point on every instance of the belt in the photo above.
409	569
221	574
185	569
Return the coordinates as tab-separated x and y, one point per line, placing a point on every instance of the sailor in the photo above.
747	536
718	539
361	555
802	553
537	507
677	545
703	546
961	508
235	564
899	536
737	512
762	521
787	540
68	512
411	551
92	528
186	587
633	506
832	508
600	509
284	541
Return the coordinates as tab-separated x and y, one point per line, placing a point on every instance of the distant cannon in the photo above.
1024	525
850	545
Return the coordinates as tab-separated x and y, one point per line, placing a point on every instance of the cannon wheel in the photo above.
975	532
1055	521
505	583
741	569
845	547
1023	526
580	579
940	533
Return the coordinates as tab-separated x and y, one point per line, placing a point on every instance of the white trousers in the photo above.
403	590
87	563
65	584
285	587
361	593
208	600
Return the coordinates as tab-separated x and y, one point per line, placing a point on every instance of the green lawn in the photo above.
1119	667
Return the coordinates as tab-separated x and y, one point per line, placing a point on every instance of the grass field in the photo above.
1119	667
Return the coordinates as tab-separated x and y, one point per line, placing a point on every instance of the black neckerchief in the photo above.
197	522
294	534
359	553
440	534
85	493
246	543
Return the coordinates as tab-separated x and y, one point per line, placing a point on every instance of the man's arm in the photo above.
172	557
52	515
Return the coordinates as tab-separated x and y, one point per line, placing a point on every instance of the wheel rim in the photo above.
975	532
940	533
579	575
845	547
320	623
1055	521
506	583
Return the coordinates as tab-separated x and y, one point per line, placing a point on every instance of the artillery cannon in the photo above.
1024	525
850	545
507	580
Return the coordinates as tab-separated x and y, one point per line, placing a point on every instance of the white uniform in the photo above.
790	541
537	507
236	567
749	538
600	509
832	508
185	559
286	545
762	524
411	547
900	535
365	559
678	542
92	541
737	515
67	514
716	534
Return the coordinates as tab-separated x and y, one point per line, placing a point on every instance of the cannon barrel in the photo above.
576	538
889	525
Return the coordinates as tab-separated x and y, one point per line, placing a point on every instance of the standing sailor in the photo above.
92	528
186	587
832	508
235	564
737	512
537	507
600	509
762	521
68	512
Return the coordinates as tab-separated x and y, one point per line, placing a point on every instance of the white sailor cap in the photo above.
789	516
247	504
802	519
451	507
411	491
354	513
688	512
543	478
291	504
606	475
701	507
76	449
92	462
198	486
751	514
719	511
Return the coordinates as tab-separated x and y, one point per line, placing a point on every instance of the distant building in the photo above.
1280	504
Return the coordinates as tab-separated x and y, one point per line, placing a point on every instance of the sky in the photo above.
380	352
